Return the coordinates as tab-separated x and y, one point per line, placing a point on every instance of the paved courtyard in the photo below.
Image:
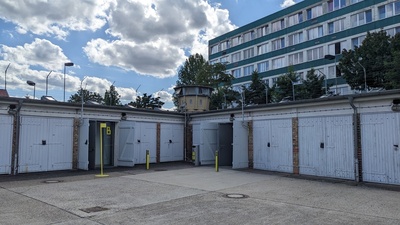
190	195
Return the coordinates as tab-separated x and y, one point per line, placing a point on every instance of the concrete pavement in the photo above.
190	195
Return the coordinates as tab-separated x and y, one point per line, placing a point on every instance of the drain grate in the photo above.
52	181
160	169
235	196
94	209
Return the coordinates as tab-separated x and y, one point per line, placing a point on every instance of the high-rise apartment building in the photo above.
309	34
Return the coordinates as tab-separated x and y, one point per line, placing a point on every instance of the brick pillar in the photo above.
189	142
250	145
158	146
295	142
359	149
14	146
75	143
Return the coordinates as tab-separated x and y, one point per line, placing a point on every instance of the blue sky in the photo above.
138	45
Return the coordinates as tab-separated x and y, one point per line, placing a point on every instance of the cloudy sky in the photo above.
138	45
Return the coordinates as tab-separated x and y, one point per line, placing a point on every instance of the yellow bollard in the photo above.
147	159
216	161
102	125
193	156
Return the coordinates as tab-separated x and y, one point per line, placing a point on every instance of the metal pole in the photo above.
64	82
47	81
34	91
365	76
5	77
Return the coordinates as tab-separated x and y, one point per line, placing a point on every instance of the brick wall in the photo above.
295	143
75	144
250	145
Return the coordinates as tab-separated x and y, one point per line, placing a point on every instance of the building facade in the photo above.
309	34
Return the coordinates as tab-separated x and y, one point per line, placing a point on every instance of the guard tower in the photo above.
193	98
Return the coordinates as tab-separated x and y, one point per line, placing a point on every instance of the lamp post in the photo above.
365	75
5	77
47	80
294	98
326	84
65	65
82	100
31	83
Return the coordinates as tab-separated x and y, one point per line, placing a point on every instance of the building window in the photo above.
336	48
225	45
278	25
214	49
190	101
278	44
389	10
314	12
296	58
314	54
336	26
224	59
295	19
236	41
393	31
262	49
295	38
235	57
262	31
357	41
236	73
200	101
248	36
278	63
355	1
248	53
315	32
336	4
263	66
212	62
274	80
248	70
361	18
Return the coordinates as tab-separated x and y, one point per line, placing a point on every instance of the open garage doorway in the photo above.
225	140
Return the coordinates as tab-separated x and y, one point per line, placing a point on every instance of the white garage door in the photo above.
45	144
171	142
146	139
326	146
380	139
6	131
273	145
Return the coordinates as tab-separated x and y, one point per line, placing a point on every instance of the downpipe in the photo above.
17	118
355	138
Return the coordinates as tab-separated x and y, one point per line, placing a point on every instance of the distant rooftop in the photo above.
3	93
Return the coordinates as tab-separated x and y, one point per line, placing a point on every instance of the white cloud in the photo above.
152	36
40	52
287	3
55	18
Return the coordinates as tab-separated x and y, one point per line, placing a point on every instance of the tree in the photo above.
147	102
197	71
312	86
255	94
392	76
111	97
371	56
283	88
87	96
194	71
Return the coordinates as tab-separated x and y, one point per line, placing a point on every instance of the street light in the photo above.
326	84
47	80
266	91
31	83
294	98
65	65
5	77
365	74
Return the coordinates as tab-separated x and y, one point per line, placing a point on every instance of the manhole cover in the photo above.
94	209
52	181
236	196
